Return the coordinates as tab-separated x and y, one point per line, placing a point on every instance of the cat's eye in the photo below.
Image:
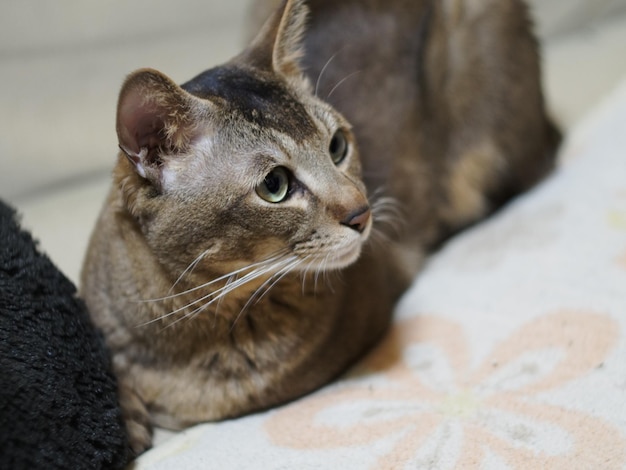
338	147
275	185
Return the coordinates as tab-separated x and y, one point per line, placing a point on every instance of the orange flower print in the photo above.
419	402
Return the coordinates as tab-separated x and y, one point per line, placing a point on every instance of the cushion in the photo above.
58	396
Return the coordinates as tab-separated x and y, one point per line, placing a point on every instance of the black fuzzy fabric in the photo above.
58	400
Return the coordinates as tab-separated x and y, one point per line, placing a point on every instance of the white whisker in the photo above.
214	281
229	281
232	282
267	286
251	276
340	82
387	212
189	268
321	270
276	279
319	77
306	272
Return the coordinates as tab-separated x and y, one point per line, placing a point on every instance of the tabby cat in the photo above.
266	215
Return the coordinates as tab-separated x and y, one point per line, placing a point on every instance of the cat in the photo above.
266	215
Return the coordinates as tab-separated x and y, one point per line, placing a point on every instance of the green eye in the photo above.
275	185
338	147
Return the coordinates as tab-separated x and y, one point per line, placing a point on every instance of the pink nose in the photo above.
358	220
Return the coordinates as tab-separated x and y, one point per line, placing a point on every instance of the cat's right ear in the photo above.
156	119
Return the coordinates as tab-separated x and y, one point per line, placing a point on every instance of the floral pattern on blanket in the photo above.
420	391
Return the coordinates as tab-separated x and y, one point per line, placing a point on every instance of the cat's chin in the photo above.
336	259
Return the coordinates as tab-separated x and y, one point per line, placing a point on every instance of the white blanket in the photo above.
509	351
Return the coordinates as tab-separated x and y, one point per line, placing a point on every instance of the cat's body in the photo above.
244	164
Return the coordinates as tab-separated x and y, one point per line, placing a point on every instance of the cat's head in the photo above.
242	163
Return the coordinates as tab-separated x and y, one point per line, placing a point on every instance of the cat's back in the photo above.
393	57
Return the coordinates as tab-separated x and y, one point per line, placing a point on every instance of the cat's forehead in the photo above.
257	97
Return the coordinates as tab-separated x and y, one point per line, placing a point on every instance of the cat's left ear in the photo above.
278	46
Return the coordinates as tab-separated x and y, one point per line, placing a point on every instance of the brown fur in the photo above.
446	106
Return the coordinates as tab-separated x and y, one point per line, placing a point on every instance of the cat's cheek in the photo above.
169	179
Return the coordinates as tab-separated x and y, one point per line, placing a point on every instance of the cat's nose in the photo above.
358	219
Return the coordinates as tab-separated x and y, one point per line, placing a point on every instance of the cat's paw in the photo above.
136	419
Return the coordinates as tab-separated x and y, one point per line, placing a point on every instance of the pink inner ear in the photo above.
139	124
